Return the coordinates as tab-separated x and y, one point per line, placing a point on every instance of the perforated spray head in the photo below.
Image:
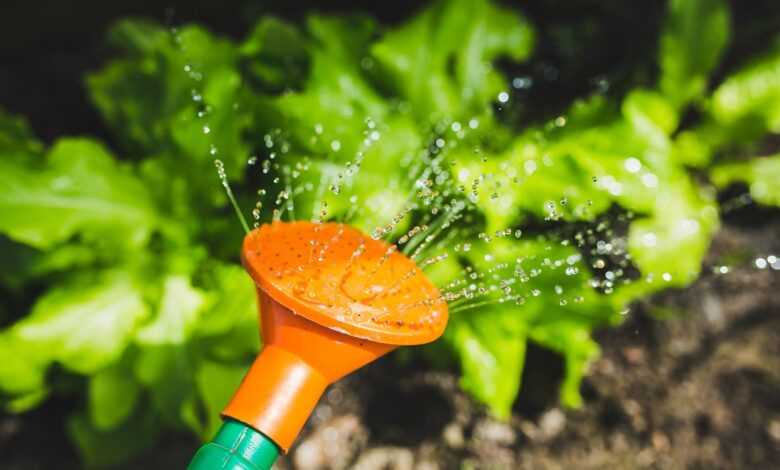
331	300
339	278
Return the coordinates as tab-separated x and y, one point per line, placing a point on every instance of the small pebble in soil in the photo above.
385	458
660	441
453	435
494	431
333	445
634	355
774	430
552	423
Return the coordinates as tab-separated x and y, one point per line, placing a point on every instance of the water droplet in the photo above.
650	180
721	269
522	83
632	165
649	239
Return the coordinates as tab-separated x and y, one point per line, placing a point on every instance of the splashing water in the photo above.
229	192
441	195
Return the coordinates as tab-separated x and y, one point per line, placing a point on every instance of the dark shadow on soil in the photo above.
405	414
544	369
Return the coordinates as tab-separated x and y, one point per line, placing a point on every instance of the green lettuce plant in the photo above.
129	264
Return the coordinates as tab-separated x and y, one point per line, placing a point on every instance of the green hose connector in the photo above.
236	447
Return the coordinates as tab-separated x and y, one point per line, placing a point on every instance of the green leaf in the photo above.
217	382
113	394
84	324
341	135
101	449
27	401
491	346
218	134
26	374
569	174
178	313
751	94
467	35
762	176
80	189
694	36
177	97
574	342
168	372
536	289
336	99
230	323
16	138
650	112
142	94
670	245
275	54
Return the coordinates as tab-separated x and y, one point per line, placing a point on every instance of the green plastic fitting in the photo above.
236	447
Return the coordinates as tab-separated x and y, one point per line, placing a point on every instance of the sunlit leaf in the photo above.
79	189
694	35
84	324
762	176
113	393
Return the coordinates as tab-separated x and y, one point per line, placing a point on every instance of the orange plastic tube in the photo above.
299	360
331	300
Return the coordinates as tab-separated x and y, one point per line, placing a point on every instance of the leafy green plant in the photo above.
132	261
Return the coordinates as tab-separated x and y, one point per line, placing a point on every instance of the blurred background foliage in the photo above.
121	280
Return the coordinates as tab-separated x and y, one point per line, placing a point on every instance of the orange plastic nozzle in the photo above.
331	301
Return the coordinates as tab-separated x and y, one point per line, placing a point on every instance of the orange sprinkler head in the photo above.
331	301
